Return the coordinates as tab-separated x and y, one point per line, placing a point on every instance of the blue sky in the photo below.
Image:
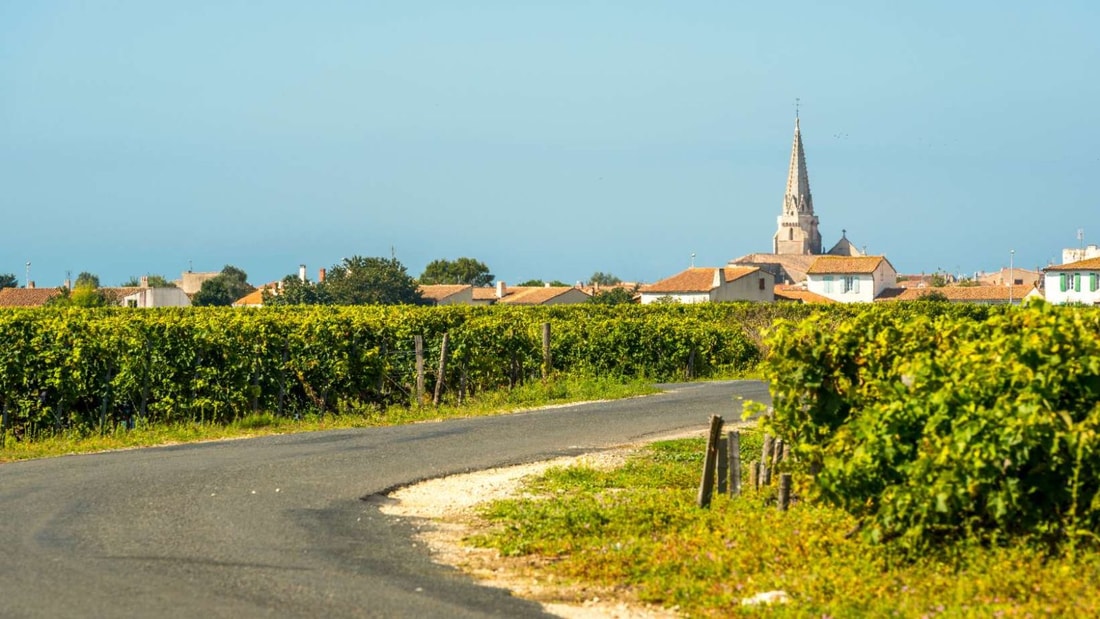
549	140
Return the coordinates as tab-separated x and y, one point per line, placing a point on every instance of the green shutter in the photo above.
1062	281
1092	282
1077	282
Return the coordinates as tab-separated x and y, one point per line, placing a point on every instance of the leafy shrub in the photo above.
933	424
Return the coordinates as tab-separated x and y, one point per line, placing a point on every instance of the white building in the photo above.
851	279
156	297
1076	282
1077	254
709	284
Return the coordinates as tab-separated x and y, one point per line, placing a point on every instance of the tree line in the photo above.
357	280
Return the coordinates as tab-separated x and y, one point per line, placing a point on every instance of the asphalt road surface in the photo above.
277	526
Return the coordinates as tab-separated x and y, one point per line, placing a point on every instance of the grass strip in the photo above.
635	533
559	390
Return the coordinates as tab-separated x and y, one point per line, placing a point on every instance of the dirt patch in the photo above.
443	512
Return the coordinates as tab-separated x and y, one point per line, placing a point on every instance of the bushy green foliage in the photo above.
224	289
67	369
932	423
463	270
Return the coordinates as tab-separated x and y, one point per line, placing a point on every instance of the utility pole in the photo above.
1011	277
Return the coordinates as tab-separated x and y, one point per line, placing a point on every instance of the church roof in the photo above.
844	247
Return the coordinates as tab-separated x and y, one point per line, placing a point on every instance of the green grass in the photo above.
559	390
637	530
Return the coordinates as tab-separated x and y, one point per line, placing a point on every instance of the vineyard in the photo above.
934	426
90	370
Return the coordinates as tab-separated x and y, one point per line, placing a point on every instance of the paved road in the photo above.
275	526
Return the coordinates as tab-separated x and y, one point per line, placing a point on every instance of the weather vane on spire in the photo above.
796	102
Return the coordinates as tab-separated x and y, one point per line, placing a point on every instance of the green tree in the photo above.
461	271
934	296
604	279
296	292
83	295
8	280
154	281
539	282
371	281
223	289
86	279
613	296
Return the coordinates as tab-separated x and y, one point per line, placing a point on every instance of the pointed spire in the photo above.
798	198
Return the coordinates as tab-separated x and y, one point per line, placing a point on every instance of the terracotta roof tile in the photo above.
438	292
26	297
534	295
960	293
485	293
1090	264
795	293
845	264
696	279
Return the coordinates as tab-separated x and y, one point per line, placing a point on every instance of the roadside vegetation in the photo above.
635	533
944	462
534	394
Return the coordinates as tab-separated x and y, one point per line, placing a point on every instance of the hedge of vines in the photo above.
933	426
62	369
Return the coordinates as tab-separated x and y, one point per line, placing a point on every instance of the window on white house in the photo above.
828	279
851	284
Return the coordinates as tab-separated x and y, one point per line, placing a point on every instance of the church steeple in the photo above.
797	233
798	198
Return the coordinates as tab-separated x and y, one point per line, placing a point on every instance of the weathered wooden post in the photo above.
723	465
418	344
733	442
754	474
439	379
784	491
546	361
706	486
766	452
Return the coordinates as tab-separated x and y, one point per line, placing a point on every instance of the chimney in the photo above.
546	284
68	284
321	275
719	277
30	284
501	289
302	272
144	281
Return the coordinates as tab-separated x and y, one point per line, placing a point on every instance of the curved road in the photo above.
274	526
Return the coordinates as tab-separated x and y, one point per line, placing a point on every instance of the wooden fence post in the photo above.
723	465
754	474
784	491
418	343
442	369
733	442
706	486
546	361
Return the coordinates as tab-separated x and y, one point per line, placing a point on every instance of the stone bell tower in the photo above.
797	233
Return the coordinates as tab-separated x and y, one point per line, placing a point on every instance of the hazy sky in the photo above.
549	140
